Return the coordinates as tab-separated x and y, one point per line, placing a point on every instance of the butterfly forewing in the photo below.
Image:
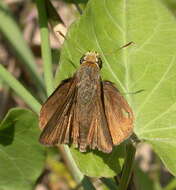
56	114
118	113
54	102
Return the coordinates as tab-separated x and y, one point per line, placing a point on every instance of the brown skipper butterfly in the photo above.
86	111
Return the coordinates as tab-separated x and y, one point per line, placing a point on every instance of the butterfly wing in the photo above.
57	113
99	134
118	113
57	99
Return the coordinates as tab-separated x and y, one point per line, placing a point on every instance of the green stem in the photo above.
53	17
128	167
87	184
74	170
110	184
19	46
77	175
45	46
19	89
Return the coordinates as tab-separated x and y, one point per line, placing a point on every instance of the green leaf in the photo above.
149	64
21	155
153	65
99	164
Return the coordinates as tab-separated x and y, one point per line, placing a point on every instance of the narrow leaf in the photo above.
12	33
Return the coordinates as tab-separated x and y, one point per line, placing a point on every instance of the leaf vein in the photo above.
155	88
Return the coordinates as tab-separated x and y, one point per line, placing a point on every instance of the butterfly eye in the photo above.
82	59
100	62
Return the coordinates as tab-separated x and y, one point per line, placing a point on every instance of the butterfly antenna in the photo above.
72	63
62	34
124	46
78	49
136	92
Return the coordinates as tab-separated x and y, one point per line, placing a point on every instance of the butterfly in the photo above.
86	111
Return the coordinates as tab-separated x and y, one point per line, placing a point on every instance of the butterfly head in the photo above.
91	58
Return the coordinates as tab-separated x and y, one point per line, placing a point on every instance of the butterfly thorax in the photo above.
87	77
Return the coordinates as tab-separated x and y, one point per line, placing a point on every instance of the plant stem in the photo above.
53	17
74	170
19	46
77	175
128	166
87	184
19	89
45	46
109	183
